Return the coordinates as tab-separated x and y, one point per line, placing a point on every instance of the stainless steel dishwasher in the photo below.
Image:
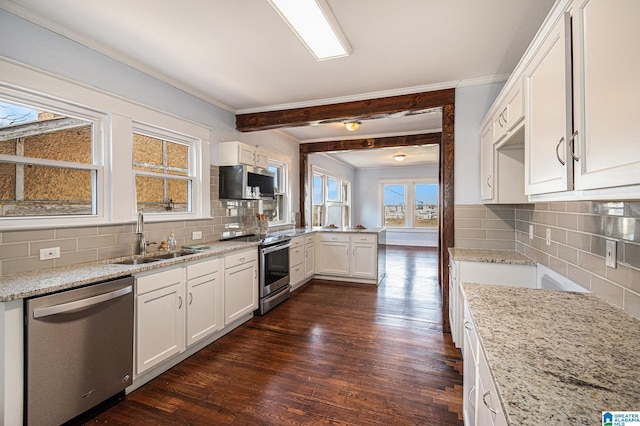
79	350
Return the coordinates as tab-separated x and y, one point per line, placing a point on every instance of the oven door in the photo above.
274	268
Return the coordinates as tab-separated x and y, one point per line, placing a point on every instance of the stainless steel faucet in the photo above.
141	242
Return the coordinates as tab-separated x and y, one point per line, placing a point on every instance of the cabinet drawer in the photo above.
309	239
158	280
296	255
239	258
363	238
343	238
296	273
203	268
297	242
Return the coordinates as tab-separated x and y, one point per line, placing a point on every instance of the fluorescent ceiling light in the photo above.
315	26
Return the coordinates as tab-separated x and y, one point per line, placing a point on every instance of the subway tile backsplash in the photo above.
20	250
579	231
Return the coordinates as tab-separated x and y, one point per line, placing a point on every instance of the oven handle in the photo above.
271	249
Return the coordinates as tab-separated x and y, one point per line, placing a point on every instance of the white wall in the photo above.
472	103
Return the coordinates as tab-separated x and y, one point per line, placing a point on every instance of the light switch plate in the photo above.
531	232
611	259
196	235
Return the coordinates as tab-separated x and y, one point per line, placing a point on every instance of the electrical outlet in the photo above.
611	254
49	253
531	232
196	235
548	237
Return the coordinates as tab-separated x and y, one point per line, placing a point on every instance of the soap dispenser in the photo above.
171	242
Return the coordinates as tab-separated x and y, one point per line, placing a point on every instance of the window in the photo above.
163	171
331	197
277	209
49	159
409	204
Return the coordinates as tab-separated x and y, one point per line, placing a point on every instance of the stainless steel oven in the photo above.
274	272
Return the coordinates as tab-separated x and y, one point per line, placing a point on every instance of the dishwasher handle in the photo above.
80	304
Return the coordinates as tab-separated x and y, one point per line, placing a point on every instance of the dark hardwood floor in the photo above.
335	353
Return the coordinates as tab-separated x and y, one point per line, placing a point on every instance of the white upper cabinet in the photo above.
548	164
510	115
486	165
234	153
606	72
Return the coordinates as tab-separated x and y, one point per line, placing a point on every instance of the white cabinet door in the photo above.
332	258
261	159
364	260
486	164
606	86
309	259
548	165
204	307
246	154
488	405
470	383
159	325
240	291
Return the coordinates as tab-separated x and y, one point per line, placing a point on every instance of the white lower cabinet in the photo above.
204	300
160	317
309	256
240	284
481	402
347	255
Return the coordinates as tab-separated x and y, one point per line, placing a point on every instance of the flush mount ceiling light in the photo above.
315	26
352	126
399	157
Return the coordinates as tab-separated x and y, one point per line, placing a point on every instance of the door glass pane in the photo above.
426	208
394	205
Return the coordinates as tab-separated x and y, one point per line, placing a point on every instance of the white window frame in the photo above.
326	175
170	136
410	201
278	159
100	161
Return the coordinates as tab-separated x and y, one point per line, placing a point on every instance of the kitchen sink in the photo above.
173	255
138	261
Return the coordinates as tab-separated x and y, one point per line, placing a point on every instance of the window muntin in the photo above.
162	164
48	160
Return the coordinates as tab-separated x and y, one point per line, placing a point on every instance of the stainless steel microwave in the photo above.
240	183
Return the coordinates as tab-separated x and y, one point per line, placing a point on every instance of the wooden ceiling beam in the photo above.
355	110
372	143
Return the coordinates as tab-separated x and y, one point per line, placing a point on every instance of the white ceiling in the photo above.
240	55
383	157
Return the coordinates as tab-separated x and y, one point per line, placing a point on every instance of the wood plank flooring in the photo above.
342	354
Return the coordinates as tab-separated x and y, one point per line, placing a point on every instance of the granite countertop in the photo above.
557	357
490	256
28	284
349	230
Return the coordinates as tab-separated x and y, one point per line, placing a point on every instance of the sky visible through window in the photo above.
13	114
425	193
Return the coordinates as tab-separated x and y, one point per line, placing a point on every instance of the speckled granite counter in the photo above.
557	357
19	286
490	256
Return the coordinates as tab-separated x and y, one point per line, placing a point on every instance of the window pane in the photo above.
333	186
317	190
160	156
32	190
318	215
426	208
394	205
30	132
158	195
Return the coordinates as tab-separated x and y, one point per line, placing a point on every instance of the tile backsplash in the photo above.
579	231
20	250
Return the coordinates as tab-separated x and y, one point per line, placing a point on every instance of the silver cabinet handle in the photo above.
473	407
241	259
255	274
354	251
484	401
179	302
190	298
306	253
466	325
557	153
80	304
347	251
573	146
488	184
